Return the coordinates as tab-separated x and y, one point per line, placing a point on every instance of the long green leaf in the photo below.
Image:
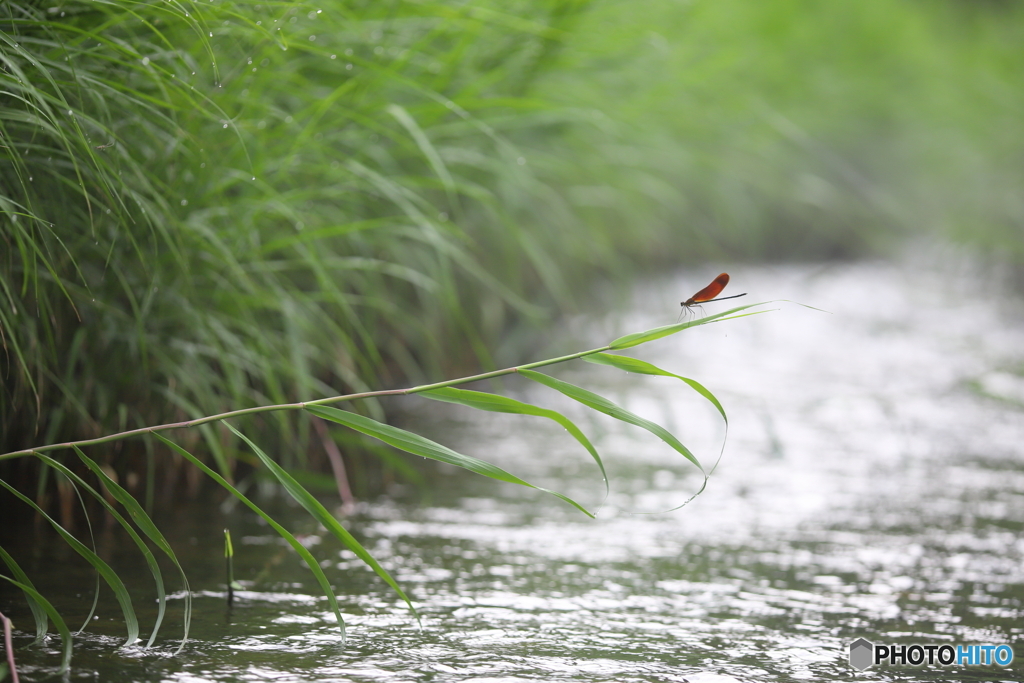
641	367
306	556
92	543
603	405
638	338
147	526
154	568
418	445
108	574
503	404
62	628
320	514
38	613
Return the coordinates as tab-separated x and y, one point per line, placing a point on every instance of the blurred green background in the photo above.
213	205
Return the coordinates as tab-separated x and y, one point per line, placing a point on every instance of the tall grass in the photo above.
794	129
400	439
214	205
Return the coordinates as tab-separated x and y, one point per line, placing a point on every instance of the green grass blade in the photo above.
423	447
38	613
426	147
92	542
62	628
641	367
638	338
145	523
108	574
603	405
306	556
320	513
503	404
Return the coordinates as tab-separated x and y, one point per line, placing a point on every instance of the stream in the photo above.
871	486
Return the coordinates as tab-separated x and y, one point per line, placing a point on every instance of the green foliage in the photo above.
255	202
398	438
792	129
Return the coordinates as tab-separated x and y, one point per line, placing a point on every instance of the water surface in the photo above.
872	486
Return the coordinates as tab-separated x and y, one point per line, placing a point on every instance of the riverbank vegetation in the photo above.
214	206
245	203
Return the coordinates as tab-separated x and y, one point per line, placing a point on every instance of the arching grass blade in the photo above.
38	613
423	447
503	404
320	514
306	556
108	574
147	526
154	568
603	405
642	367
62	628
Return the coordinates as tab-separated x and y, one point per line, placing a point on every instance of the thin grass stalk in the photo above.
625	342
229	559
9	648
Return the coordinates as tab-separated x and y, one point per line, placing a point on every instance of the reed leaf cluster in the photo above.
43	611
249	202
229	204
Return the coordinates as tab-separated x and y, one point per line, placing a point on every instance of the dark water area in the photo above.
872	486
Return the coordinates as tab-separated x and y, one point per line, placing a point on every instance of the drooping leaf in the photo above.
306	556
641	367
423	447
603	405
145	523
62	628
320	514
108	574
503	404
38	613
154	568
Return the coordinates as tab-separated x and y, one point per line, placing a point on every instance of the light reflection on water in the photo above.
872	486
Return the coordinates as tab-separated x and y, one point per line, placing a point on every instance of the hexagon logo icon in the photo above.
861	652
